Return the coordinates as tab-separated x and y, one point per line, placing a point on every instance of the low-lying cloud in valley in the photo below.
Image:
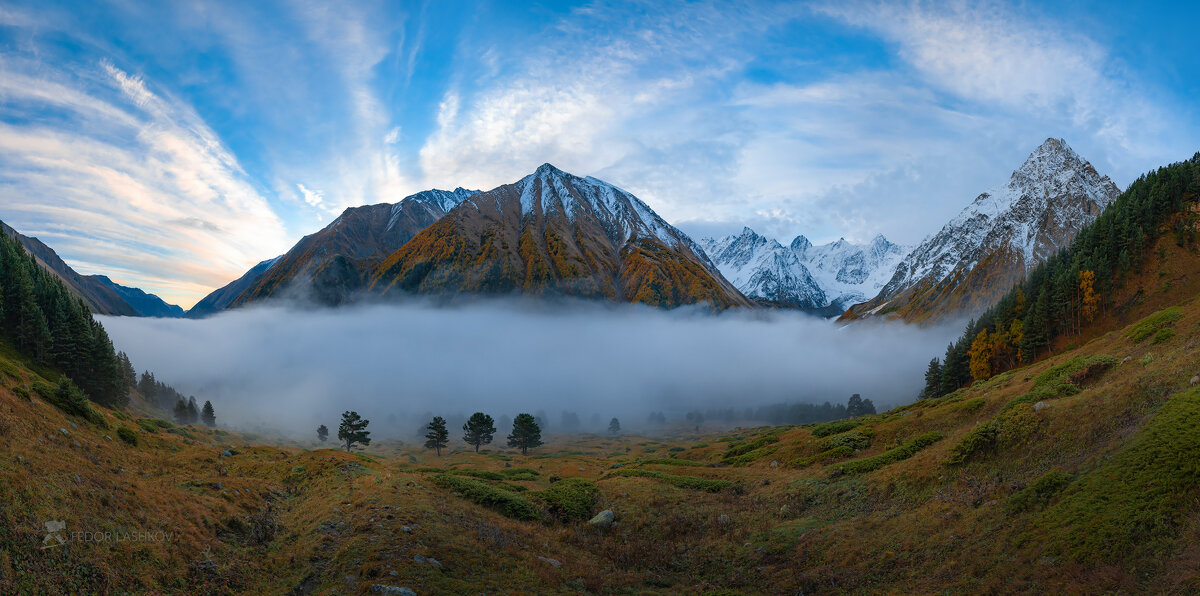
288	369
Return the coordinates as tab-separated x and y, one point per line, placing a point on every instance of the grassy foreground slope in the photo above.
1080	473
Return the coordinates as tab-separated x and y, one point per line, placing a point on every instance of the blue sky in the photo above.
172	145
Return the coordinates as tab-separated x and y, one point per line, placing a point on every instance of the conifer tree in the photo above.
193	412
526	434
353	430
181	412
479	430
614	427
437	437
933	379
208	415
322	433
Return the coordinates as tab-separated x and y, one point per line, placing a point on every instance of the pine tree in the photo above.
193	411
854	406
526	433
438	437
479	430
353	430
208	415
181	412
614	427
933	379
322	433
868	407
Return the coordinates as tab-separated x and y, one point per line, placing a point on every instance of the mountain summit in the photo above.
818	279
553	233
976	257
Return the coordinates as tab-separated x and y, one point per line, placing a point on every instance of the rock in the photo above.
77	445
555	563
107	438
219	486
65	432
1041	405
423	560
227	453
1195	381
393	574
785	510
405	529
391	590
508	464
603	519
774	463
724	519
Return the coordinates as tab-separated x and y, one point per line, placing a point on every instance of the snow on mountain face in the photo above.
822	278
443	200
1046	201
765	270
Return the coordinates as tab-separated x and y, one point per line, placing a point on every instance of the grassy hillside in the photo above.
1076	474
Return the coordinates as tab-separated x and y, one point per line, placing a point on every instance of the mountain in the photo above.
146	305
977	257
819	279
101	298
553	233
329	266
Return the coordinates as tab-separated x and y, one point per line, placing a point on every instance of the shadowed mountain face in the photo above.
555	234
101	297
331	265
977	257
146	305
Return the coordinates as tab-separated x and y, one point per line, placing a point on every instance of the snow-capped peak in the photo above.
443	200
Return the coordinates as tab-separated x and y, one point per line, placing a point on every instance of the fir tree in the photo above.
933	379
181	412
614	427
437	437
526	434
322	433
208	415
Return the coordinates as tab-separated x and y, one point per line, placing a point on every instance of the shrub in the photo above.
1164	334
826	429
856	440
128	435
668	461
506	503
1134	504
903	452
688	482
573	498
481	474
514	472
1150	325
971	405
822	457
982	438
744	447
1038	493
70	399
22	392
750	456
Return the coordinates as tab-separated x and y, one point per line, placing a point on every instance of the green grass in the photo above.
822	457
1039	493
506	503
1133	504
688	482
1147	327
740	448
903	452
572	498
668	461
971	405
128	435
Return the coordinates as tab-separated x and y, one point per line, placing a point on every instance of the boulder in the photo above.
391	590
1195	381
604	519
1041	405
555	563
724	519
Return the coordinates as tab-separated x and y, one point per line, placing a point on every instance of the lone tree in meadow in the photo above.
208	415
322	433
614	427
479	429
181	412
437	437
353	430
526	434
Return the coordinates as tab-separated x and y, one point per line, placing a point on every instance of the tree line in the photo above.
479	430
1070	289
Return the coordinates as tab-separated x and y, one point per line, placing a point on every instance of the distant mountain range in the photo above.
823	279
103	296
556	234
978	256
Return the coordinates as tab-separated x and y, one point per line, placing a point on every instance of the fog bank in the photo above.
290	369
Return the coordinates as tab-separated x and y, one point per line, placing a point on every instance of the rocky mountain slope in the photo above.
820	279
329	266
102	295
552	233
977	257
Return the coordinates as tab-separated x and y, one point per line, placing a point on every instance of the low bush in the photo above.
128	435
1150	325
573	498
1039	493
743	447
504	502
903	452
826	429
688	482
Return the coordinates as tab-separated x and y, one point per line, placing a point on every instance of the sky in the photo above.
173	145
